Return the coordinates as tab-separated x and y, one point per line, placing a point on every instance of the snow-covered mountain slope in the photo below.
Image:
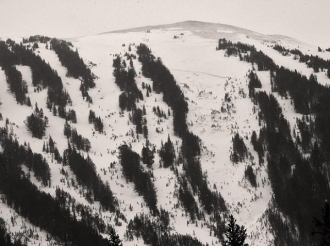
215	87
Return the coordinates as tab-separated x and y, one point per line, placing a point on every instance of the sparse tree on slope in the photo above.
114	238
235	234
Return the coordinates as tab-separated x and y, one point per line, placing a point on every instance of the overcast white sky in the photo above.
308	21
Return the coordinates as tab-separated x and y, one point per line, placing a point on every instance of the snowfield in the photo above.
207	77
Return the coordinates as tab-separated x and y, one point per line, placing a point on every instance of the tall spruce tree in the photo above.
114	238
235	234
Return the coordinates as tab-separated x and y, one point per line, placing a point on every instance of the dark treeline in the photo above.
254	82
17	85
309	98
142	179
71	116
41	209
167	153
24	155
315	62
7	58
73	62
127	101
250	175
147	87
305	134
147	155
164	82
137	119
78	141
50	147
281	227
160	113
36	123
157	233
258	147
14	78
75	66
297	181
305	97
62	112
275	135
125	79
283	157
36	38
187	199
5	238
39	166
97	121
239	149
86	176
86	214
246	53
42	74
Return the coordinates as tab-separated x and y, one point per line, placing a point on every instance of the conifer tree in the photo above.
114	238
235	234
167	153
36	123
147	156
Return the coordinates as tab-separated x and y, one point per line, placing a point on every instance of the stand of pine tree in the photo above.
43	210
288	169
164	82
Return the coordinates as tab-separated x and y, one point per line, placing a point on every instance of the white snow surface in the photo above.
205	76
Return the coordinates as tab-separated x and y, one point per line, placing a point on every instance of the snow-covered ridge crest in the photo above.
211	30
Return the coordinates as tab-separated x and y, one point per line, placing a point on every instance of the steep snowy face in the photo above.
158	134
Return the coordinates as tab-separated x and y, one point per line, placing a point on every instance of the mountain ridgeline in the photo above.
120	147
